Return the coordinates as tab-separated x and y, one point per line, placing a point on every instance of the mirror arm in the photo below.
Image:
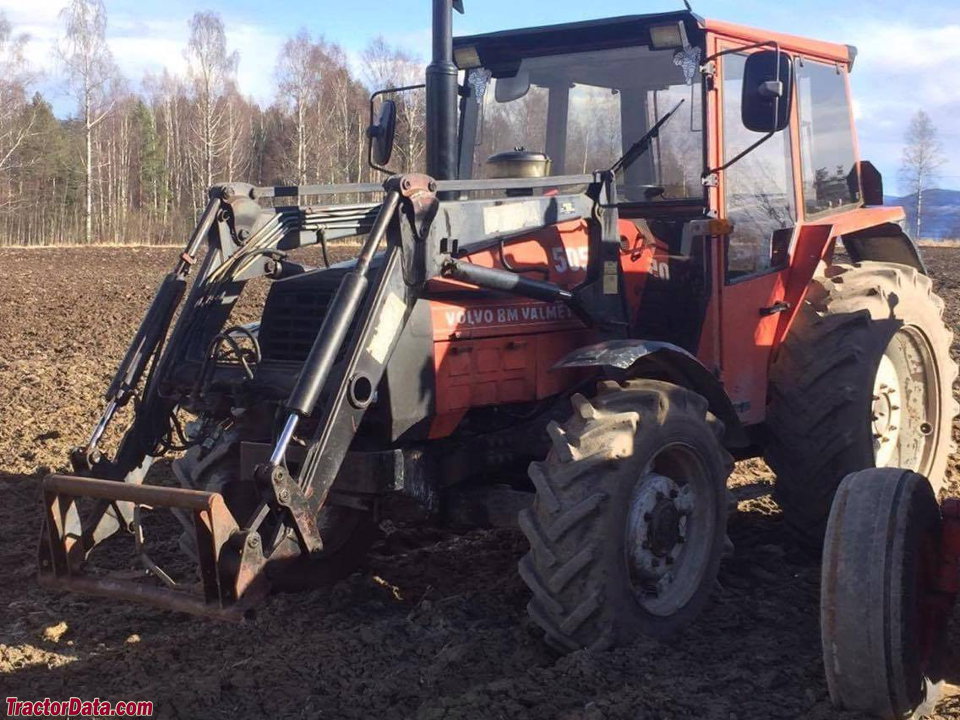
372	125
776	105
764	43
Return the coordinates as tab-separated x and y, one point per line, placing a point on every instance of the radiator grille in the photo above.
293	313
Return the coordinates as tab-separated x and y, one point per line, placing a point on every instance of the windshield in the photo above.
585	110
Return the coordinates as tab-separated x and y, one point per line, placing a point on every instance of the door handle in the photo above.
778	307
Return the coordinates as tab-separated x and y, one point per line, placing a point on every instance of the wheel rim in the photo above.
670	527
886	411
905	408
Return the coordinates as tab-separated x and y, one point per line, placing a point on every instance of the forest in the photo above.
131	165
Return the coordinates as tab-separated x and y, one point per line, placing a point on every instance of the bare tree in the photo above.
90	68
212	70
131	164
386	66
299	74
16	115
922	158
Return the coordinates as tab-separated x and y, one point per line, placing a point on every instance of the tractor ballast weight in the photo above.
622	316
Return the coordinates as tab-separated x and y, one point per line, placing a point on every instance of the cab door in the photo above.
757	195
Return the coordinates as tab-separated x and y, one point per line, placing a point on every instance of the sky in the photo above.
908	52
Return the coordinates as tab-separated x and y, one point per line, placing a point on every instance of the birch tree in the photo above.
212	71
16	116
922	159
298	75
89	67
386	66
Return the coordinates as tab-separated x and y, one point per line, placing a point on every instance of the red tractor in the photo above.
619	272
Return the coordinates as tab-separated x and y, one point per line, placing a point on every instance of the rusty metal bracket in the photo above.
285	492
230	562
419	193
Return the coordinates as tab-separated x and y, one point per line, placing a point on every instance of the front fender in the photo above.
633	358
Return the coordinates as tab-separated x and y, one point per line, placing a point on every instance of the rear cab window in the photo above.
827	152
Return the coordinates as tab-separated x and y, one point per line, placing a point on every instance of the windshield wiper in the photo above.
643	144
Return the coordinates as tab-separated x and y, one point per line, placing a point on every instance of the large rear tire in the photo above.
880	623
863	379
629	520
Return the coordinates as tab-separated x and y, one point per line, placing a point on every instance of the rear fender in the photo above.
884	243
632	358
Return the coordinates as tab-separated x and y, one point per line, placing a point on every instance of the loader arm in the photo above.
336	385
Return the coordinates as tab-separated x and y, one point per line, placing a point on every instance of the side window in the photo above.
826	138
758	189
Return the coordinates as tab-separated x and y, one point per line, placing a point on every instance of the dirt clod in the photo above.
53	633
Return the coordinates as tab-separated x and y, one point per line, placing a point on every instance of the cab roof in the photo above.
633	30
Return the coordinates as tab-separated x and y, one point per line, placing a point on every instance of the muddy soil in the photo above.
434	627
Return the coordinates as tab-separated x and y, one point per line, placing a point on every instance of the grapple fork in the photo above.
229	559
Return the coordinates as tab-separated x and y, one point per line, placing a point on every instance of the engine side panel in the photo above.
492	349
467	348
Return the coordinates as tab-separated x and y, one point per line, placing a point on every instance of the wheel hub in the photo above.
657	532
885	412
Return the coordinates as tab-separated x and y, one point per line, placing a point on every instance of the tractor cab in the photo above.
582	95
700	121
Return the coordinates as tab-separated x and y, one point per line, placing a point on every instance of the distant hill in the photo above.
941	213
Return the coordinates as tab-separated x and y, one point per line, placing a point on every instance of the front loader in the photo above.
617	273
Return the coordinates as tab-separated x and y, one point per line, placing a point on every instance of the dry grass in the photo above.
952	243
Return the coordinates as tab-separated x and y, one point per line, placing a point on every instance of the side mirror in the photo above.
512	88
767	91
381	134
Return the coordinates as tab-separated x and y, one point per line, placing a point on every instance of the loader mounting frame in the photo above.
233	552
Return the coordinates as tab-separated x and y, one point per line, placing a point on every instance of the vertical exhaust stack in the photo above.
441	83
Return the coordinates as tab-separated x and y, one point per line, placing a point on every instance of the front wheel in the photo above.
629	520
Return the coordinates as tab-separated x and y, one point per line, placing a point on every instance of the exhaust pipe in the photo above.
441	81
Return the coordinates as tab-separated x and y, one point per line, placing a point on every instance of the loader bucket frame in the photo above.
65	545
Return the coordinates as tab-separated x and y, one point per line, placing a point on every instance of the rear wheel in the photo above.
864	379
629	520
881	618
